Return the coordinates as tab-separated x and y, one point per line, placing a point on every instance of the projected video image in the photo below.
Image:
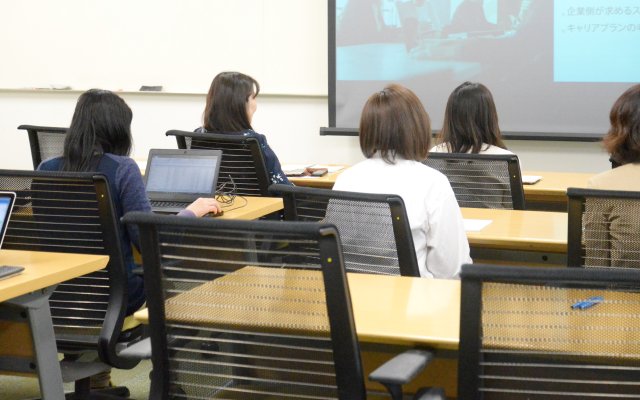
552	65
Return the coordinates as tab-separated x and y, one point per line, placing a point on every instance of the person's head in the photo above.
623	140
231	103
470	120
101	124
394	124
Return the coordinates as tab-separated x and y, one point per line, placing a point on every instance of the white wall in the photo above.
291	124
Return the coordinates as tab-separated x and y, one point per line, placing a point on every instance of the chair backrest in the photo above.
242	159
374	228
233	315
604	228
46	142
73	213
548	333
482	180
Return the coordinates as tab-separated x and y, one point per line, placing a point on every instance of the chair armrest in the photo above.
402	368
138	351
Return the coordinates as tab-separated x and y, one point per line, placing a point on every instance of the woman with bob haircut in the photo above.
231	103
622	142
395	135
470	123
99	139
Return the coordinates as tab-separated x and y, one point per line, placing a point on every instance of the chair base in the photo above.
83	392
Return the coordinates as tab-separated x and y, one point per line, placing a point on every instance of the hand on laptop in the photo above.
205	205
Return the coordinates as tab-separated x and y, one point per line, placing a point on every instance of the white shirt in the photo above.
434	216
485	149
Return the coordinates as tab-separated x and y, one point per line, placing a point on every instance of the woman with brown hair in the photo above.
231	103
470	123
623	144
395	135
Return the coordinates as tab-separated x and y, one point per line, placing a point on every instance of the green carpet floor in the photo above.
137	380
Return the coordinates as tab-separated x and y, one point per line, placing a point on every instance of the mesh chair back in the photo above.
529	333
604	228
73	213
232	318
374	228
482	180
242	159
46	142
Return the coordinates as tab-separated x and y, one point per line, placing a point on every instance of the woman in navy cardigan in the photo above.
231	103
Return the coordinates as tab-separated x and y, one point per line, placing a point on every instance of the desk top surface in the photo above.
387	309
520	230
43	269
555	183
248	208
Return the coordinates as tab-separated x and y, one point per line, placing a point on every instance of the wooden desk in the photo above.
31	290
255	207
519	237
387	309
550	193
324	182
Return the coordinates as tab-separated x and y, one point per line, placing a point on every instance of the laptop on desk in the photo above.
176	178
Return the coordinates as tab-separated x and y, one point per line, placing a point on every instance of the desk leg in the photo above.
44	342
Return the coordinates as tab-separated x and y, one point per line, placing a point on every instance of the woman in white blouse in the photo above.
395	136
470	123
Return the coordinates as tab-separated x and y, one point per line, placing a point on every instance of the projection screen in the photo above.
555	67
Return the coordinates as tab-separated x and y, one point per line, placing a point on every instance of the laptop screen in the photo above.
181	174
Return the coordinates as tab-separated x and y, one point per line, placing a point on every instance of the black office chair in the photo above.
548	333
242	159
46	142
230	320
74	213
604	228
374	228
482	180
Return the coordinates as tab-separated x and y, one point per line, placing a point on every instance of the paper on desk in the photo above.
142	164
330	169
530	179
292	167
476	225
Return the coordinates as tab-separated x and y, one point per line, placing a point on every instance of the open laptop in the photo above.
176	178
6	205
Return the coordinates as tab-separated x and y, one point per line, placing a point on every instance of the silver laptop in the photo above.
176	178
6	205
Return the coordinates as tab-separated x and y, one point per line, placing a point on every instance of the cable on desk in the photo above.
234	199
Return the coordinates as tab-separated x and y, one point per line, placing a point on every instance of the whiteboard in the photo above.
178	44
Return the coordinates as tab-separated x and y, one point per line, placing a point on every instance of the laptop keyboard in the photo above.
169	204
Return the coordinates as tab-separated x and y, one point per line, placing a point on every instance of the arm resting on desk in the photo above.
401	370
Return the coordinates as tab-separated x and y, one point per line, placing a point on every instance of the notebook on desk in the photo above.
176	178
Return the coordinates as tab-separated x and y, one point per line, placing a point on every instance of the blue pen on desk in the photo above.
583	305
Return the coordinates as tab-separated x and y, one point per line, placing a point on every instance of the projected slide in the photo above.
552	65
596	40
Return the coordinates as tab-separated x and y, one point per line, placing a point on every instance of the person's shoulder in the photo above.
122	164
489	149
50	164
621	178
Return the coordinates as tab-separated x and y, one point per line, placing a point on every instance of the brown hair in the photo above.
470	120
623	140
395	123
226	109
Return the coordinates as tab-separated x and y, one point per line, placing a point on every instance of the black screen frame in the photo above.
12	199
333	130
163	196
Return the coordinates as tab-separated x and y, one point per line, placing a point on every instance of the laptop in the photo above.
176	178
6	205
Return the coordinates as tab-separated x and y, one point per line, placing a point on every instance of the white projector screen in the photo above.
555	67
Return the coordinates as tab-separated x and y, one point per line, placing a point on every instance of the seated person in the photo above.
611	228
231	103
470	123
395	134
469	17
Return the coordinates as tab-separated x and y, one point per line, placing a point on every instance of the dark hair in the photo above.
470	120
622	141
226	109
395	123
102	122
